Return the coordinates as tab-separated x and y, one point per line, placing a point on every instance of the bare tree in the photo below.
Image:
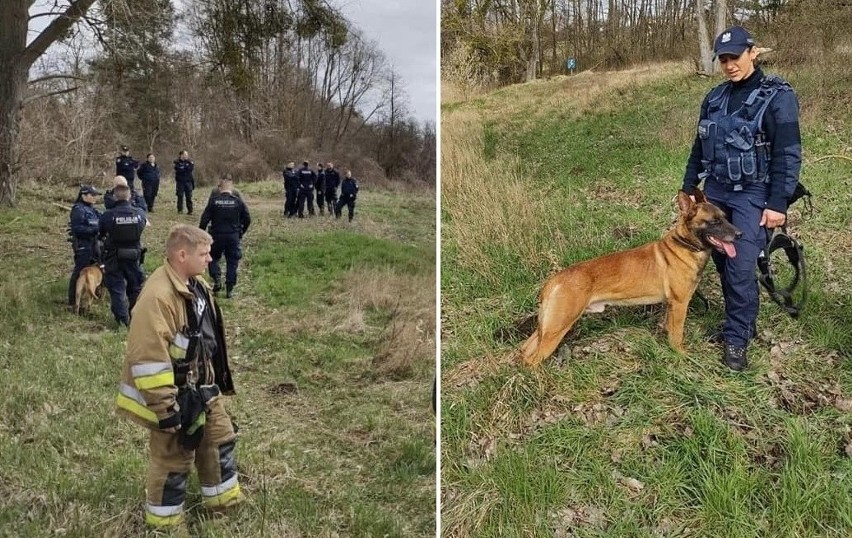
16	58
705	41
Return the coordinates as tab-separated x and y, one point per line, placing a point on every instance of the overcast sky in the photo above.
406	31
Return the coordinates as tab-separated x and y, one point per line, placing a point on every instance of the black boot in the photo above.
735	357
217	287
229	291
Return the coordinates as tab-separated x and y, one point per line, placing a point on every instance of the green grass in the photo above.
622	436
330	444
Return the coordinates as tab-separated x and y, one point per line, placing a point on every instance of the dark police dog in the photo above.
666	271
89	286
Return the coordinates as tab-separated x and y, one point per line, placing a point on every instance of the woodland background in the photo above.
491	43
244	85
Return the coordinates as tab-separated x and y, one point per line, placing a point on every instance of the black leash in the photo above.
779	239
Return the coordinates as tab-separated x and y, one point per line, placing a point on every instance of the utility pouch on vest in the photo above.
127	254
707	134
735	172
741	145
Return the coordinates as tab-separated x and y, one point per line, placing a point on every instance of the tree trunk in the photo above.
13	41
721	13
16	57
705	49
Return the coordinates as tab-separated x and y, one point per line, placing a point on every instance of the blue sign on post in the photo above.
571	65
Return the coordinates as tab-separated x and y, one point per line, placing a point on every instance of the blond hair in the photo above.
187	237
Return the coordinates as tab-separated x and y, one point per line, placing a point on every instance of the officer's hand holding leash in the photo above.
772	219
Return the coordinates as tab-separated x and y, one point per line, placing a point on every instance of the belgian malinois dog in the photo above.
666	271
89	286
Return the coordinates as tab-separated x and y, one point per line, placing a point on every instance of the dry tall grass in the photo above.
408	341
492	197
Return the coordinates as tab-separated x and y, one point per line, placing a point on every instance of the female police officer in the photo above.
748	152
83	230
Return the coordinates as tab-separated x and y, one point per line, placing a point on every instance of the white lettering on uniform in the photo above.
225	202
127	220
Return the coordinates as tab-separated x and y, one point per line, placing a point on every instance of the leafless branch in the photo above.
54	77
32	98
75	10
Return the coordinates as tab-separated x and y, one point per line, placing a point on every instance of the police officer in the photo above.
218	188
83	228
136	199
307	178
121	229
184	182
291	189
332	182
348	193
228	219
149	174
748	152
126	166
319	185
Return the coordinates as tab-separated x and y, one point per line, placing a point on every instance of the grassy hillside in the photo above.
618	435
332	347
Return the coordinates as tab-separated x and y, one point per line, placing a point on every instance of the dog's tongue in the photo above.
730	250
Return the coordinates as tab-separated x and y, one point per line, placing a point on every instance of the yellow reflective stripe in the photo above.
230	497
154	381
163	521
131	405
177	349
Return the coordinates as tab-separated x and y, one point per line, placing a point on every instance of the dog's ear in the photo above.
698	195
684	202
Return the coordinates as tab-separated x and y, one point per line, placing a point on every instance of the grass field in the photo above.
332	344
619	436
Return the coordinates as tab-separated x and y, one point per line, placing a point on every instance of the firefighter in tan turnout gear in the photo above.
175	373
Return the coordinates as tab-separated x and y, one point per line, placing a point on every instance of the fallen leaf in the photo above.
843	404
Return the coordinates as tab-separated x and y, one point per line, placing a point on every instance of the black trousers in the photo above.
347	201
321	200
331	199
184	189
149	191
306	197
291	197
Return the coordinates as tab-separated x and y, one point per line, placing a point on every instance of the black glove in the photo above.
192	418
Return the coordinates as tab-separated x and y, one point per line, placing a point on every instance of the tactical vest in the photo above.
733	145
125	232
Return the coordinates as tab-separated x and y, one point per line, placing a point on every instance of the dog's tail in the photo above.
520	330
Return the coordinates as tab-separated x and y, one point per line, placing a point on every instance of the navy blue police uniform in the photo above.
291	191
136	200
83	229
121	228
126	166
228	219
184	184
307	177
149	174
348	194
332	182
319	185
748	152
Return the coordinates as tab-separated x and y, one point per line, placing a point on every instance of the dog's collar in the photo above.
688	245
